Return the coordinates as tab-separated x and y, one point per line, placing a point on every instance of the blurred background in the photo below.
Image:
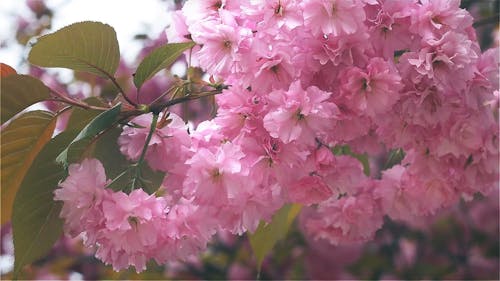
459	243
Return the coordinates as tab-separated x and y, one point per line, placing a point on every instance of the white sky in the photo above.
128	17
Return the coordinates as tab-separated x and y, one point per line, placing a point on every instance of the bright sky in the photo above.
128	17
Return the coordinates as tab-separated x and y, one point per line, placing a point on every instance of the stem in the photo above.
110	77
163	119
189	60
148	139
160	106
140	162
165	93
113	79
65	99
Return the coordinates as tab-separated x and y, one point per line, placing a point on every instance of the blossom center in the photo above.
227	44
334	9
216	174
299	115
133	221
279	9
217	5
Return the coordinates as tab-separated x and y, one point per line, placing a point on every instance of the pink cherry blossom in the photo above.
169	144
309	190
304	78
222	45
82	193
349	219
439	16
132	231
333	17
215	177
300	115
371	92
278	14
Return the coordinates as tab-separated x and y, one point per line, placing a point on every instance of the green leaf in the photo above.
35	220
150	180
362	158
85	46
159	59
80	117
98	124
22	140
267	235
107	150
19	92
395	157
104	147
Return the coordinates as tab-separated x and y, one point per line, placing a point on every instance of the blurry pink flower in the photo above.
309	190
346	220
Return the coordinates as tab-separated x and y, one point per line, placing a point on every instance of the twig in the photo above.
65	99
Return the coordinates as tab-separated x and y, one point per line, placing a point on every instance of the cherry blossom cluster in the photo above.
306	77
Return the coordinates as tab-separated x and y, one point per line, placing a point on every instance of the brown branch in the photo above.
58	97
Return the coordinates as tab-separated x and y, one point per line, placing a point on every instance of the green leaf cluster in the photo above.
29	150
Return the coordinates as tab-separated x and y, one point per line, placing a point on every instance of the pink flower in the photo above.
133	227
278	14
300	115
178	29
464	136
82	193
198	10
309	190
239	112
215	177
222	45
244	213
271	160
333	16
424	187
188	229
438	58
305	77
169	144
346	220
129	229
390	193
389	26
372	92
439	16
343	50
272	71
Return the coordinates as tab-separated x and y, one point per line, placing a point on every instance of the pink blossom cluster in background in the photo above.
306	77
